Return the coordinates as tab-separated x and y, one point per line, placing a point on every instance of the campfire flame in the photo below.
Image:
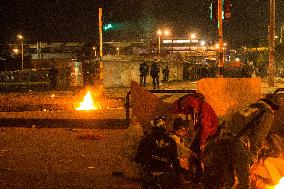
87	103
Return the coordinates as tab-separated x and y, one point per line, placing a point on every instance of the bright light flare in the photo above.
202	42
159	32
88	103
20	36
16	51
280	185
167	32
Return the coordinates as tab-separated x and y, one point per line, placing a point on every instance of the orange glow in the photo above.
280	185
88	103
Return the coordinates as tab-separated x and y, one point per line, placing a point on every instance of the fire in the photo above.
87	103
278	186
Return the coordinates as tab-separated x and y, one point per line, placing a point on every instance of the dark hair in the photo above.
179	123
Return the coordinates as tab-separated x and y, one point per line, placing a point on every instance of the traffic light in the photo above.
107	27
111	26
214	10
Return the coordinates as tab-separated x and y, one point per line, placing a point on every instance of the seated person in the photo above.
179	134
157	154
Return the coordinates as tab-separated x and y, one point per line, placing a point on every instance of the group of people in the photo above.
154	71
196	150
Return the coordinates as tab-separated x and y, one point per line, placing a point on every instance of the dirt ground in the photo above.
62	158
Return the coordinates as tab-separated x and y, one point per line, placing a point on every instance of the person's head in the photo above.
158	126
180	127
159	122
272	100
196	101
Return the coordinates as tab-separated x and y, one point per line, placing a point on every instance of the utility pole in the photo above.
101	45
220	37
271	39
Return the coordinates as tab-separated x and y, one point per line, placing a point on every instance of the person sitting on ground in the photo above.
239	144
179	134
157	154
205	123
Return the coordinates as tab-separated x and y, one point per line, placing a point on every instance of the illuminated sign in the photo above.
177	41
168	41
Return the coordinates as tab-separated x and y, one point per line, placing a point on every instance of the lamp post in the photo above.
21	38
160	33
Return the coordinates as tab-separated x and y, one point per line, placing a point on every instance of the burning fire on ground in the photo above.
87	103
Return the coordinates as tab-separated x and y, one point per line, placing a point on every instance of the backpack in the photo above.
244	122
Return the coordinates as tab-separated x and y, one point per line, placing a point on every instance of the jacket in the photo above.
207	119
251	125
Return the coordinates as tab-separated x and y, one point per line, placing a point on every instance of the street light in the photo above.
193	36
202	43
21	38
160	33
16	51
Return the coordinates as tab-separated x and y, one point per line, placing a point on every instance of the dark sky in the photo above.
77	20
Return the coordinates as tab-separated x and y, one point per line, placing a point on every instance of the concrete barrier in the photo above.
226	93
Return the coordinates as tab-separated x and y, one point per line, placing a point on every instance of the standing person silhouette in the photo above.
144	71
154	72
166	72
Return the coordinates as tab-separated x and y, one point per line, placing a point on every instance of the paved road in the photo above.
62	158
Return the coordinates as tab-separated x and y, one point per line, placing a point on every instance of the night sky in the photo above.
77	20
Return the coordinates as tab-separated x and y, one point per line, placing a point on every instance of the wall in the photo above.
120	73
116	73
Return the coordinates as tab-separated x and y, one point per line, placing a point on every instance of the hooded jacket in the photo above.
207	119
